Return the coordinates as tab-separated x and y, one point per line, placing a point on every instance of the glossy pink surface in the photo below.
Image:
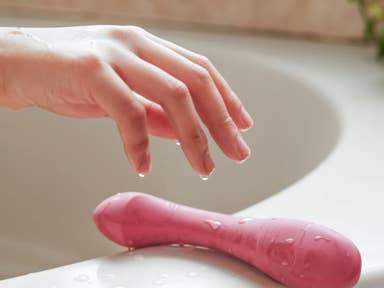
296	253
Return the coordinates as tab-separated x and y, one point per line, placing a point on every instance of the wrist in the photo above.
10	58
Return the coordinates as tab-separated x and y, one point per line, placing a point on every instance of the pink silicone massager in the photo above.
296	253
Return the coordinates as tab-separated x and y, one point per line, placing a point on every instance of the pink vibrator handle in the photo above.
296	253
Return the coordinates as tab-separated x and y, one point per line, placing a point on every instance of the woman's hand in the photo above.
145	84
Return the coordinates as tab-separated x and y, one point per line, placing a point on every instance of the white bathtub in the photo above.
317	144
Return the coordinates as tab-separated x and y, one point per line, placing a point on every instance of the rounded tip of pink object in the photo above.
296	253
108	216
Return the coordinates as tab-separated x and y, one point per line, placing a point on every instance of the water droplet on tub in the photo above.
141	175
204	177
215	225
290	240
108	276
178	143
81	278
245	220
192	274
159	282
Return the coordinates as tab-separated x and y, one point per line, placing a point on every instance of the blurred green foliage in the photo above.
372	13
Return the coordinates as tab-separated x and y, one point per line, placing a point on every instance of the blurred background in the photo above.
325	19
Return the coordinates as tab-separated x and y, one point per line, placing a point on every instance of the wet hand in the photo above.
147	85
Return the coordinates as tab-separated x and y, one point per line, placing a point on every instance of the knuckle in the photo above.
198	138
136	28
227	124
92	62
139	146
203	61
130	36
235	104
201	76
126	33
179	91
136	114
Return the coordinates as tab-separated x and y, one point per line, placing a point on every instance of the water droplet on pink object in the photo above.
130	246
284	263
116	197
319	237
215	225
290	240
245	220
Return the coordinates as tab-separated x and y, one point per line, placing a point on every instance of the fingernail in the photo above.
242	161
246	119
209	165
145	165
242	148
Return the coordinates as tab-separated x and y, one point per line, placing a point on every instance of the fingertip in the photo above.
245	119
239	114
209	165
144	165
242	149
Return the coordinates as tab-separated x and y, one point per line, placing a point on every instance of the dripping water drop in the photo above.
204	177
